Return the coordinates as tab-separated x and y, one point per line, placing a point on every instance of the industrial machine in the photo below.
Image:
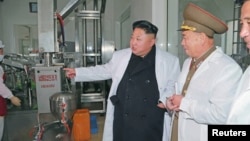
89	49
20	79
62	107
41	82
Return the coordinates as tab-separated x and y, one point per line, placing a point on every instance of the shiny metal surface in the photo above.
48	59
71	6
108	48
63	105
17	61
52	58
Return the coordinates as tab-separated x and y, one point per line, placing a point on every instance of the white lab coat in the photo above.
4	90
239	112
209	95
167	71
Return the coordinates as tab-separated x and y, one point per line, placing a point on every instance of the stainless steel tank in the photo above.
63	105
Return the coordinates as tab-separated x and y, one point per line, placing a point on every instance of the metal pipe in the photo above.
71	6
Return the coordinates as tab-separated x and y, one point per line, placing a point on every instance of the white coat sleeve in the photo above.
172	75
4	90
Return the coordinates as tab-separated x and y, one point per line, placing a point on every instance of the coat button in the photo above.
147	81
126	114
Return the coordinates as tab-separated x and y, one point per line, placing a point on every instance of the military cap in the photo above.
199	20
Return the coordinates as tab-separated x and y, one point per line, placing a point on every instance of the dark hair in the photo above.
147	26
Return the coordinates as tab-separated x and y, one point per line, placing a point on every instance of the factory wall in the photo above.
14	12
117	21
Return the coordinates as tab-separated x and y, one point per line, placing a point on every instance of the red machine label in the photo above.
48	86
48	77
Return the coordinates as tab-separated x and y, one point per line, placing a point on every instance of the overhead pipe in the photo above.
71	5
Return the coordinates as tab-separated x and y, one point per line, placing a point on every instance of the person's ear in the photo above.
203	37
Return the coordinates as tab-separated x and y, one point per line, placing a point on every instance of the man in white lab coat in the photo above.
142	77
239	112
208	79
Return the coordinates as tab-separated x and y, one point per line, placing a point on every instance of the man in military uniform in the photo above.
208	79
